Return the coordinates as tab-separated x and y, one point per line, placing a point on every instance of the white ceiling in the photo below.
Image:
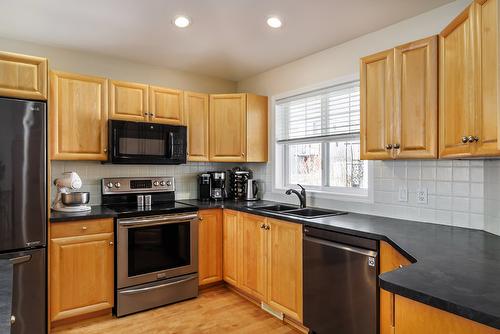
228	38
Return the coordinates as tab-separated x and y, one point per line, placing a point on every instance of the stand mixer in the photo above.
68	200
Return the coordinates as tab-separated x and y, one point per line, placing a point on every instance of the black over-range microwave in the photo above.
146	143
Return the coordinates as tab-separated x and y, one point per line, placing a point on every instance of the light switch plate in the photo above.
403	194
422	196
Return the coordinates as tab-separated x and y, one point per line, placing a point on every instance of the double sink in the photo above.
308	213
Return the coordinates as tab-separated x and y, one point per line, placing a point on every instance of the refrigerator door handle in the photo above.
20	259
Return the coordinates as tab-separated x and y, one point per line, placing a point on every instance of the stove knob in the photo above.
156	183
109	185
118	185
162	183
169	183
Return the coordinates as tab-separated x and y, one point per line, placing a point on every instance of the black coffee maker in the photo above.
204	187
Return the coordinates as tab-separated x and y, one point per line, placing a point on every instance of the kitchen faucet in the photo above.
301	195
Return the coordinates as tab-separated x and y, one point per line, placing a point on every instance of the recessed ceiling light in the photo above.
274	22
182	21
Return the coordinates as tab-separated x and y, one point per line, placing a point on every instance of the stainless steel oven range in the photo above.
156	244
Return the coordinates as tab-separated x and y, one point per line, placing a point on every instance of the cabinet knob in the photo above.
84	228
200	218
12	320
396	146
145	114
111	243
263	225
465	140
400	266
471	139
105	150
267	227
152	115
388	146
243	154
476	139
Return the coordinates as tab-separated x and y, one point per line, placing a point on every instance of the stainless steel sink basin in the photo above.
277	208
314	213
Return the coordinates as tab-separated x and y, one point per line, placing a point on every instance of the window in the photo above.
317	141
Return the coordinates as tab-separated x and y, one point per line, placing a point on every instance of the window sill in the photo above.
344	197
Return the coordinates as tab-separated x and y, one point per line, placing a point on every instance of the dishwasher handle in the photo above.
347	248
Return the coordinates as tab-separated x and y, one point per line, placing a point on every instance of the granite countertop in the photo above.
96	212
454	269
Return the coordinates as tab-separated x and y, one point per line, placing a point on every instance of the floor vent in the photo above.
271	311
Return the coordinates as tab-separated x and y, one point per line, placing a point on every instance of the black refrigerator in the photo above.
23	216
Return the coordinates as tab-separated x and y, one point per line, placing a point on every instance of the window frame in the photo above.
279	153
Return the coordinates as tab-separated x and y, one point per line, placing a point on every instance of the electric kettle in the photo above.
251	190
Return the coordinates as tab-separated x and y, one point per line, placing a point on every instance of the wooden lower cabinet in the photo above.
416	318
81	268
210	246
230	247
268	253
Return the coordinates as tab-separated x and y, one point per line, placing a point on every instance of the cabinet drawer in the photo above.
81	227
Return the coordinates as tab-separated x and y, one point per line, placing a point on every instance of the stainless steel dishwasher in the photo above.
340	283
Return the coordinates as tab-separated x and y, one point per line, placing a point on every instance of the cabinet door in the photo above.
228	127
81	275
128	101
416	318
416	100
377	106
23	77
210	246
486	110
285	267
196	118
253	272
456	86
390	259
257	128
166	105
231	247
78	117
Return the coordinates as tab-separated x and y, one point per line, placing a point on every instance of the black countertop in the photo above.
455	269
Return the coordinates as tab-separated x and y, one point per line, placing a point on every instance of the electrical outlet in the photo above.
403	194
422	196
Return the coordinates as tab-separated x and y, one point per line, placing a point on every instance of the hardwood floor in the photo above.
216	310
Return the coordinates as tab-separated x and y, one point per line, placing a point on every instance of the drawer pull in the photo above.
84	228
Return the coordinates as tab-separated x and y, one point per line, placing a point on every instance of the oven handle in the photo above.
158	220
149	288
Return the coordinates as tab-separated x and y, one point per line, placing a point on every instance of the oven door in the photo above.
147	143
156	247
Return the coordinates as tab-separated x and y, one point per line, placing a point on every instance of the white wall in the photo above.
456	194
118	69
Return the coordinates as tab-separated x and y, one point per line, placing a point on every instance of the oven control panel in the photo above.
130	185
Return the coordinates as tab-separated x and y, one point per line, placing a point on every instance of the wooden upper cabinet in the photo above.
377	106
166	105
210	246
253	264
196	118
231	247
284	267
81	273
228	127
456	86
486	44
416	99
128	101
78	117
23	77
238	128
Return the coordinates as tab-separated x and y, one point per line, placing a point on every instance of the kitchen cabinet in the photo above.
231	247
128	101
253	269
413	317
78	117
166	105
468	83
238	128
399	102
81	270
390	259
284	258
269	260
210	246
23	77
196	118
